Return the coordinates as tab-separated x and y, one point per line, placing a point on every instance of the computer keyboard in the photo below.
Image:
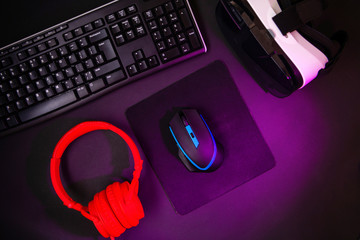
85	57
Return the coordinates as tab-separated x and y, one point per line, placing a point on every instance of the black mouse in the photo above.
198	150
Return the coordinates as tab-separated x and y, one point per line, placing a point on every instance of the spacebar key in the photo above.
47	106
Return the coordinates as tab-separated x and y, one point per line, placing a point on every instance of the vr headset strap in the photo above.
293	17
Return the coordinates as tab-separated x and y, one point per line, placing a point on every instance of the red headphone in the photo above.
118	206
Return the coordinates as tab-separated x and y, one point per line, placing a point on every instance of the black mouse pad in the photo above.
212	91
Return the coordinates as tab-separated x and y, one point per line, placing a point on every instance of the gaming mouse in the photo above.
198	150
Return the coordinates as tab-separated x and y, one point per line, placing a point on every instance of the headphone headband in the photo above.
71	135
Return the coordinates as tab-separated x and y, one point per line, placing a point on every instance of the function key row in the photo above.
83	29
120	14
33	40
37	49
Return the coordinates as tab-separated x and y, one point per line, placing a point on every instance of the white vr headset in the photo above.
284	52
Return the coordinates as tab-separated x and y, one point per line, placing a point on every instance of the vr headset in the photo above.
276	43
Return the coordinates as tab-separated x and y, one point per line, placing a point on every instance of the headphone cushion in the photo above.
131	205
107	216
116	197
98	224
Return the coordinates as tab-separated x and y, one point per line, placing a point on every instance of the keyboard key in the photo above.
153	61
107	49
10	108
49	80
43	59
168	7
106	68
23	67
62	27
115	29
88	76
39	96
156	36
158	11
68	36
142	65
78	80
131	9
121	13
59	88
22	55
130	35
99	59
72	58
21	92
49	92
38	38
11	121
140	31
30	100
47	106
63	51
4	87
185	19
53	55
138	55
115	77
33	63
59	76
33	75
52	43
79	67
23	79
110	18
82	92
152	25
194	41
89	64
96	85
120	39
148	15
69	72
82	42
32	51
68	84
88	27
52	67
20	104
179	3
132	69
82	54
136	20
185	48
73	47
170	54
41	47
125	25
171	42
40	84
98	23
97	36
78	32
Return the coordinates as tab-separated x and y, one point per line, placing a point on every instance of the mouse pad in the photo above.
213	93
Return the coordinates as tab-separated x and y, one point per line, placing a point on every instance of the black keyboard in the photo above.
80	59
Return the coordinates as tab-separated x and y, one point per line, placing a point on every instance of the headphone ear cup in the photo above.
108	222
125	207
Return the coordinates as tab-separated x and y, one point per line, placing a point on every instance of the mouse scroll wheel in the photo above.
183	119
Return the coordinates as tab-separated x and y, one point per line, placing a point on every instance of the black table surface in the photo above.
313	192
